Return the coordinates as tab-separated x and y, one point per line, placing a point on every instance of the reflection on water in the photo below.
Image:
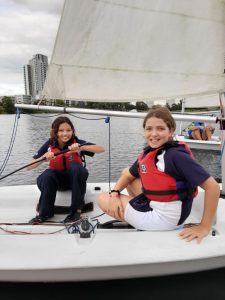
211	160
126	140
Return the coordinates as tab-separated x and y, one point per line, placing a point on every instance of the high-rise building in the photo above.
34	75
27	79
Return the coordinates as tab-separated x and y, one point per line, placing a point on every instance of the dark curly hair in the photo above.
55	128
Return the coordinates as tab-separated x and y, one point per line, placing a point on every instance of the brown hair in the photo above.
163	113
55	127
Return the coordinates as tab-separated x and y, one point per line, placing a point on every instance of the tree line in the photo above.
7	106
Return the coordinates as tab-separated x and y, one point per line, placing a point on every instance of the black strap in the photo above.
64	162
165	192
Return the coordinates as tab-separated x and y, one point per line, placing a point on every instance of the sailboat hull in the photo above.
213	145
47	253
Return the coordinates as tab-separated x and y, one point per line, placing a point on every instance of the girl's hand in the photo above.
198	232
74	147
48	156
115	208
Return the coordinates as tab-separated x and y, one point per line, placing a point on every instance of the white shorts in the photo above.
163	216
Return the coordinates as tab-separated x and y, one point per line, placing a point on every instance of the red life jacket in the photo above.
158	185
63	161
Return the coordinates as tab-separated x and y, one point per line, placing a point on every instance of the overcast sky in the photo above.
27	27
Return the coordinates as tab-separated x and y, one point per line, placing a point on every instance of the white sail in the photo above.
130	50
212	100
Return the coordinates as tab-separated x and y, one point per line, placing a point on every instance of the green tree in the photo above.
7	105
141	106
168	106
174	106
59	102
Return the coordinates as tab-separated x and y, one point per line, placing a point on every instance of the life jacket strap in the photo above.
82	156
64	162
165	192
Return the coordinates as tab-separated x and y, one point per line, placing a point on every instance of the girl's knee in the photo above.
103	201
46	176
77	170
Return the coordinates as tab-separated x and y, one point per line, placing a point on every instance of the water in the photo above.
126	142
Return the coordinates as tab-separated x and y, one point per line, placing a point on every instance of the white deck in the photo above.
121	253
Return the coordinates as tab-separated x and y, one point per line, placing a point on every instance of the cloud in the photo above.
52	6
27	28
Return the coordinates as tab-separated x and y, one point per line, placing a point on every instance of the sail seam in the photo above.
160	12
138	71
136	99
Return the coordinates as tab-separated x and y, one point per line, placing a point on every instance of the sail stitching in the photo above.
138	71
160	12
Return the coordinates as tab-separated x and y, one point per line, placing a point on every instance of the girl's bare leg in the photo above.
115	206
105	202
134	188
208	133
196	134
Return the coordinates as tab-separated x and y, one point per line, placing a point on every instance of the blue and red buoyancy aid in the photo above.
63	161
159	186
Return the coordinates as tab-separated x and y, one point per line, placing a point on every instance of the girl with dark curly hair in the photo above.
66	171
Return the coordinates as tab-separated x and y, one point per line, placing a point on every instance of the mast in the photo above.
222	128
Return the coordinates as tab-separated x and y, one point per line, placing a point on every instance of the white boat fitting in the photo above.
48	253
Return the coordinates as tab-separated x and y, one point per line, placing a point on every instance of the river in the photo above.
125	136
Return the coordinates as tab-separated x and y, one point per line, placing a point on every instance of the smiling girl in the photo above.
66	171
162	183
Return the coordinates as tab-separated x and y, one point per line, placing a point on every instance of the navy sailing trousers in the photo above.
52	180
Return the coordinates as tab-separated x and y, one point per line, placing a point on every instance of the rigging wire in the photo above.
11	144
107	121
44	117
89	119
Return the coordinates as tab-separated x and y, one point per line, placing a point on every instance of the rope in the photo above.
107	121
71	229
43	117
15	126
36	161
89	119
65	112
